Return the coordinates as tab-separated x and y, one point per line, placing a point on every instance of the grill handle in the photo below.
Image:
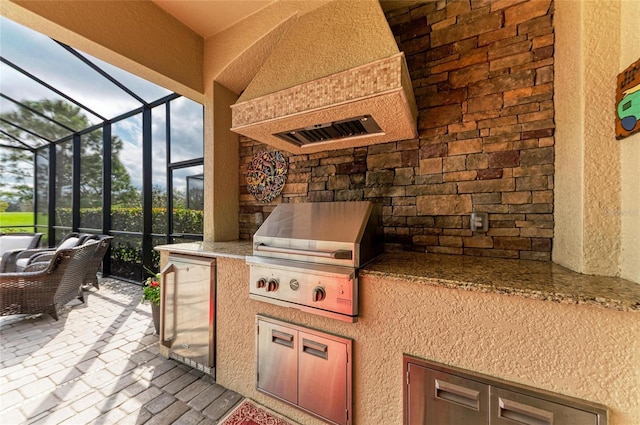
340	254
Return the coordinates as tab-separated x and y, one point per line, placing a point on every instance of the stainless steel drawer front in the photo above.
443	399
437	394
510	407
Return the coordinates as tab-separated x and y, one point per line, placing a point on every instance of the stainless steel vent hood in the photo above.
336	66
326	132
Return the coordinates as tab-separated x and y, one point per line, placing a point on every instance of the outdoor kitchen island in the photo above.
532	323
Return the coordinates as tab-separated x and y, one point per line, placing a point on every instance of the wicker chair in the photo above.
45	287
91	277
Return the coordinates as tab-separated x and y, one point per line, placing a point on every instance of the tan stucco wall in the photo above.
221	186
596	186
134	35
581	351
630	153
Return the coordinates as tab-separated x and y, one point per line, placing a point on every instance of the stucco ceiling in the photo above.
209	17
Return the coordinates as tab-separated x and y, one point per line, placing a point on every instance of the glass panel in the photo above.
91	180
155	257
126	257
188	200
42	188
141	87
185	240
195	192
159	171
16	137
12	139
126	178
60	233
62	70
27	91
44	240
24	118
63	184
186	130
16	191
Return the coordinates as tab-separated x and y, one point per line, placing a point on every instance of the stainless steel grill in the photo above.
307	256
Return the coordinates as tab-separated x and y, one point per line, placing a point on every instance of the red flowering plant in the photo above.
151	290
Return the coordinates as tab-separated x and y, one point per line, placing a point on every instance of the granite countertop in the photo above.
233	249
530	279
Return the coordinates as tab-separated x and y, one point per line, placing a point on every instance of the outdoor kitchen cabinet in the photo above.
306	368
435	394
188	309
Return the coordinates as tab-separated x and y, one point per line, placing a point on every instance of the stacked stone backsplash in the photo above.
482	73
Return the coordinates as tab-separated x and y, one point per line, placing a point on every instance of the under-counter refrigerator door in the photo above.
189	309
278	361
322	377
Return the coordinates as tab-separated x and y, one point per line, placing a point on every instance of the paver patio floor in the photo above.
99	364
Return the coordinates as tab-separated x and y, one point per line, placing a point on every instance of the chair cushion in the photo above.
21	263
68	243
8	242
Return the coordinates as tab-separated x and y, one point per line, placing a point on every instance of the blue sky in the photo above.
44	58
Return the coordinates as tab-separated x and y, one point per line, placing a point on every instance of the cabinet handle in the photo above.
340	254
314	348
523	413
282	338
457	394
169	268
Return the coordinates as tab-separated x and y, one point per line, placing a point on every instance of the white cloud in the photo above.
45	59
50	62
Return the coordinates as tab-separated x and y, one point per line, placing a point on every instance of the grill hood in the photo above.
335	80
334	233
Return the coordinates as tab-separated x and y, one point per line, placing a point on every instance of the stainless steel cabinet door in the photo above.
322	377
509	408
278	361
189	303
436	398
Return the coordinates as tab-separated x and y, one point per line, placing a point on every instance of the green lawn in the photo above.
16	219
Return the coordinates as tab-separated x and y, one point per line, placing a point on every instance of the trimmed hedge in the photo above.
126	251
130	219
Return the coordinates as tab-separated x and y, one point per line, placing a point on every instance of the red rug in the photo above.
250	413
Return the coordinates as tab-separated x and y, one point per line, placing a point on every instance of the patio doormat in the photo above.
251	413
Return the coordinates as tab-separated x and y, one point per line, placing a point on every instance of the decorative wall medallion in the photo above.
266	175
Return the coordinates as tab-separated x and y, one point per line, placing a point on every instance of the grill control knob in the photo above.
272	285
318	294
261	283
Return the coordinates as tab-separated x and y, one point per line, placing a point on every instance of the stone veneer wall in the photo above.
482	73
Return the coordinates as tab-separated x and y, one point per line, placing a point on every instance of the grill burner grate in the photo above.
351	127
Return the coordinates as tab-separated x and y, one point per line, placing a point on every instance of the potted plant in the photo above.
151	294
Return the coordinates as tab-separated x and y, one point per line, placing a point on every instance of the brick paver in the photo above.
99	364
